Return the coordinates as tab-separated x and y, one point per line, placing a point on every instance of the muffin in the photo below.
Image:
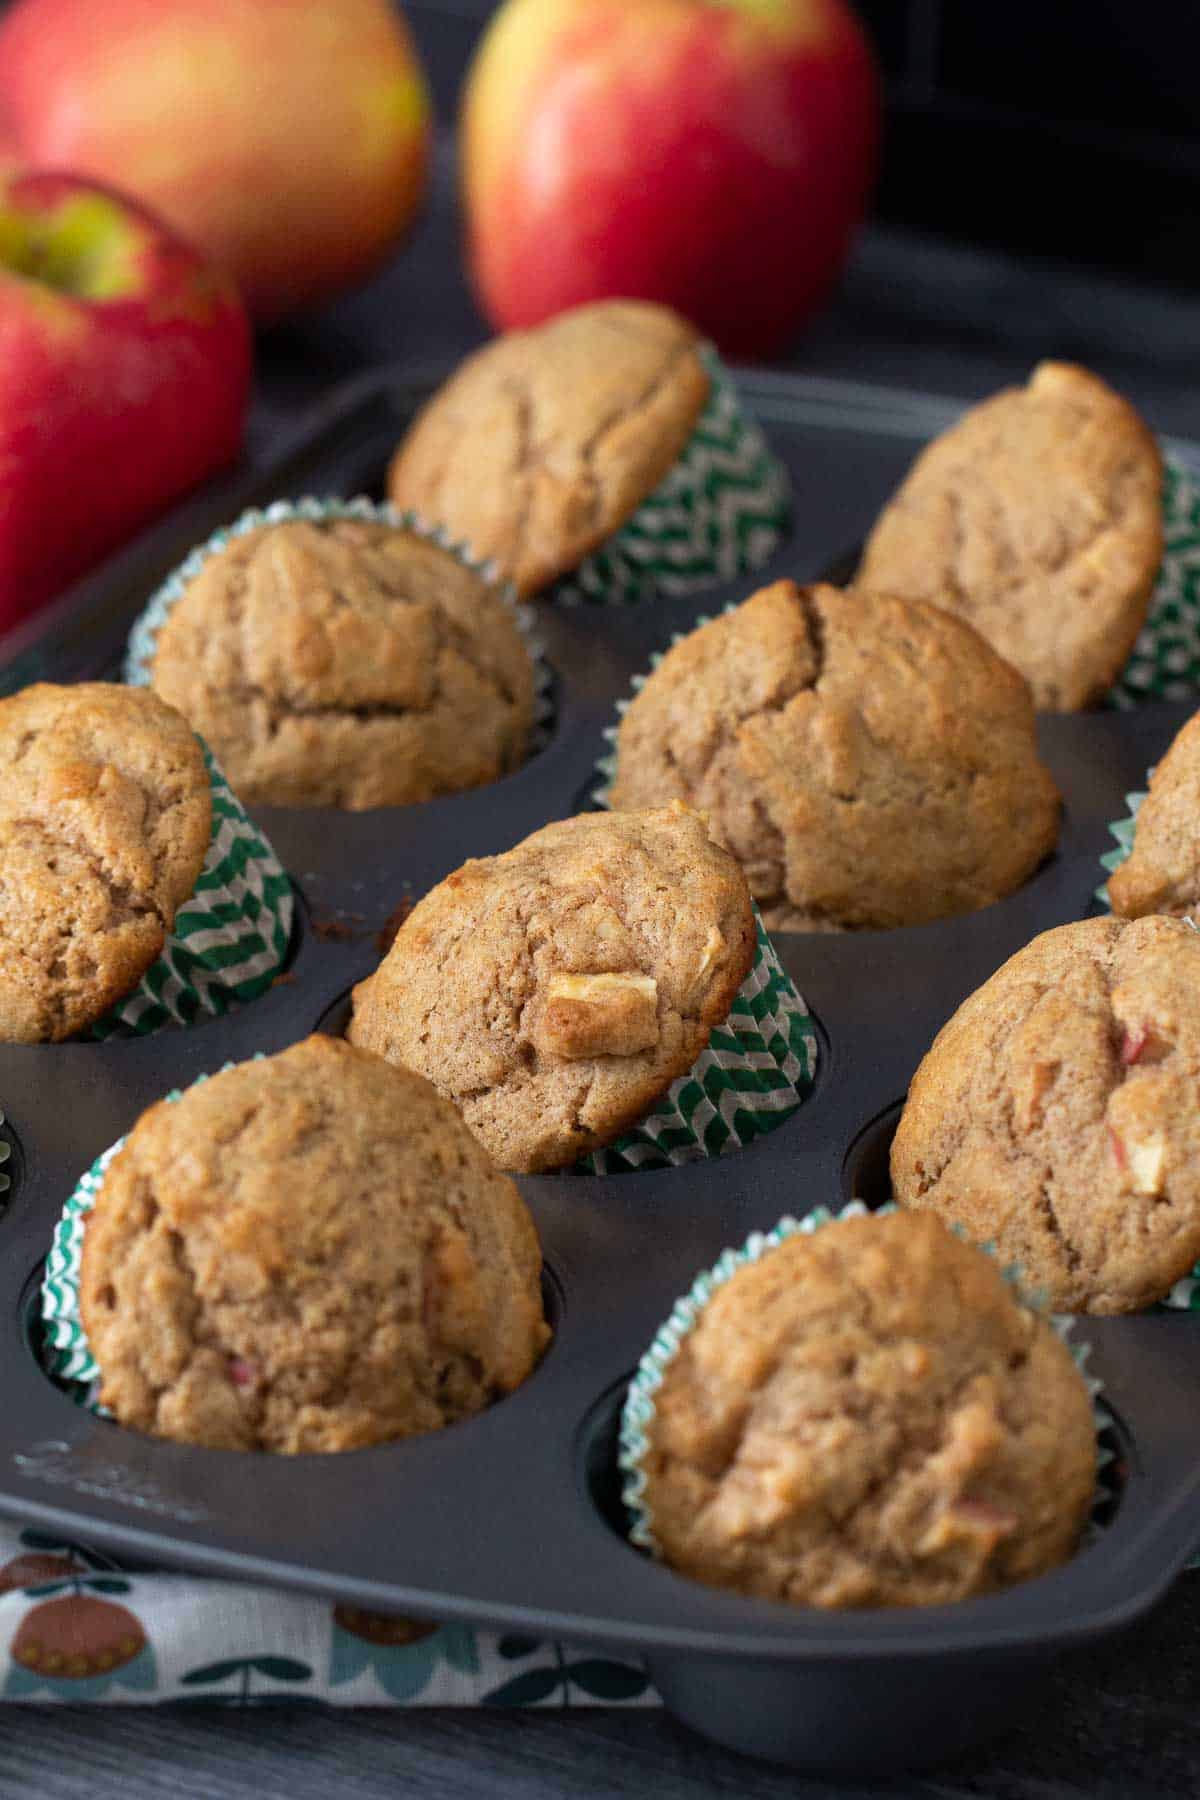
1058	1114
544	442
870	761
1038	518
105	818
555	992
1162	872
307	1253
865	1416
346	662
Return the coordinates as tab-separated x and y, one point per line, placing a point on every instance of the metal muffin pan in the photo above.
512	1520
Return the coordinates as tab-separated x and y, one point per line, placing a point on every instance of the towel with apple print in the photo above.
76	1626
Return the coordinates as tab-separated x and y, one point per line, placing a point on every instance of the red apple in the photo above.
124	373
715	155
288	138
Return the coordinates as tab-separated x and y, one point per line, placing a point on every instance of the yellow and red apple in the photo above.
288	138
124	376
715	155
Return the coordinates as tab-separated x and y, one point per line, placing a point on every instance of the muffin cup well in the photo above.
756	1071
1165	661
721	511
229	940
143	639
640	1403
1185	1295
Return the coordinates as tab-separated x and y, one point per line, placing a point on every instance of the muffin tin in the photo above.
512	1519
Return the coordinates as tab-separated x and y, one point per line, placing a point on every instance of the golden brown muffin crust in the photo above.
347	663
545	441
307	1253
105	820
1038	517
555	992
867	1417
870	761
1057	1114
1162	872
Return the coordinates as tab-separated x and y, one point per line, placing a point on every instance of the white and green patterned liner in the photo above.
229	940
721	512
143	639
639	1408
756	1071
1185	1295
1165	662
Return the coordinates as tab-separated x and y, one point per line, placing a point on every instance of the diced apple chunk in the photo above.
598	1015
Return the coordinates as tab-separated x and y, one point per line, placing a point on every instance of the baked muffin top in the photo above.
870	761
347	663
105	820
307	1252
1057	1114
545	441
1162	872
555	992
1037	517
868	1417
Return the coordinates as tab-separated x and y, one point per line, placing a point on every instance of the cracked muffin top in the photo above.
555	992
308	1252
867	1416
105	819
870	761
347	663
546	441
1056	1114
1162	872
1038	517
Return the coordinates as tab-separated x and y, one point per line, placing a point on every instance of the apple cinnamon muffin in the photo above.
867	1415
1162	871
546	441
346	662
870	761
308	1252
1057	1114
554	993
1038	518
105	819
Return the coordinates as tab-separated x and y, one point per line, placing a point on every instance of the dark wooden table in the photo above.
1120	1723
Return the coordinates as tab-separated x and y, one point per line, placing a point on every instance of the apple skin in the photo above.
115	398
715	157
287	138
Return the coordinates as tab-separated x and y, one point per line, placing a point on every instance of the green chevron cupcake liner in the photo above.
229	941
758	1068
640	1402
64	1351
143	639
1165	663
721	512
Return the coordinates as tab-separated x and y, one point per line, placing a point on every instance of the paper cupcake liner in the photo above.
64	1351
639	1408
1185	1295
143	639
721	512
229	941
1165	663
757	1070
